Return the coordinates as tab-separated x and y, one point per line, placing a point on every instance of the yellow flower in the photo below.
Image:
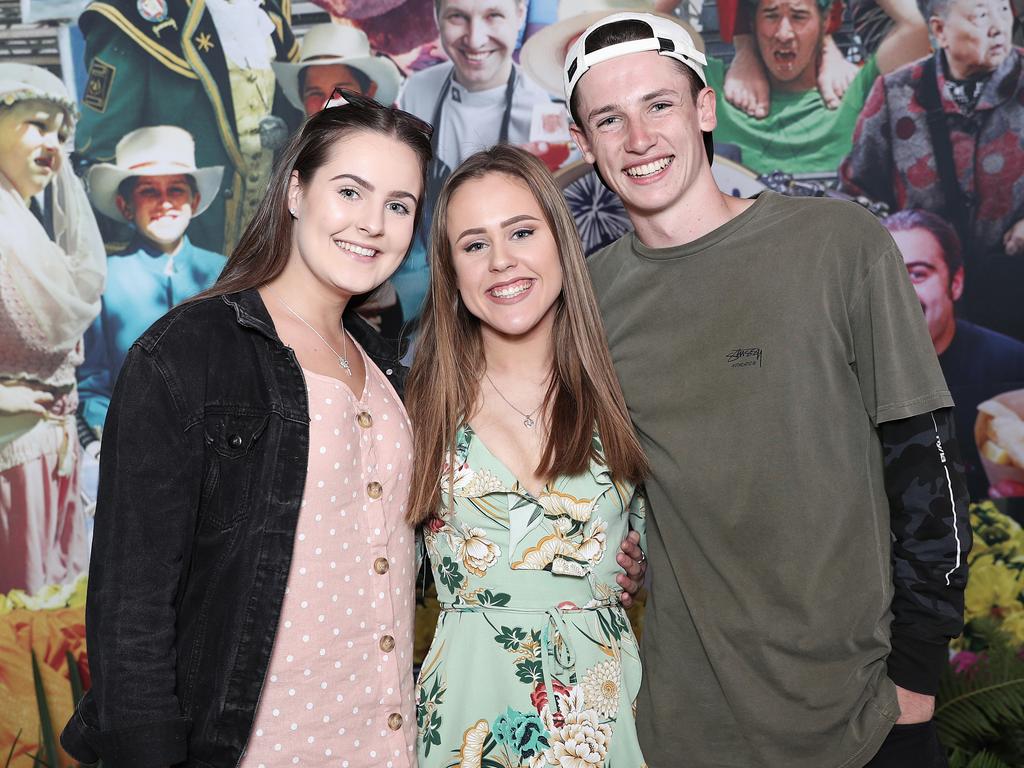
473	740
991	585
1013	625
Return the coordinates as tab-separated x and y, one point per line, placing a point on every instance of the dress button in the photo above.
374	490
235	441
394	721
365	420
387	643
381	565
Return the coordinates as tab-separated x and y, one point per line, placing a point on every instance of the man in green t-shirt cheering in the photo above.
799	133
809	527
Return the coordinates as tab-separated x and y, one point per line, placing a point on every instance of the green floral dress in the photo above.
533	661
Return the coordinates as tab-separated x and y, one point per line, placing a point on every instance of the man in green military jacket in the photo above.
202	65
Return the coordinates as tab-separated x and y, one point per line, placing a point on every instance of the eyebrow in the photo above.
661	92
505	223
368	186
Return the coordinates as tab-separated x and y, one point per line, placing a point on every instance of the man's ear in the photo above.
956	285
371	92
580	137
125	208
937	27
707	116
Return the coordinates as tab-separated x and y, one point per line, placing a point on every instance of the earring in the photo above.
292	212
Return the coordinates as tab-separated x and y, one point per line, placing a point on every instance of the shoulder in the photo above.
991	342
190	327
527	89
907	75
421	89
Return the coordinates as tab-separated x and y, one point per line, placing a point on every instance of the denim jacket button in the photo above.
235	441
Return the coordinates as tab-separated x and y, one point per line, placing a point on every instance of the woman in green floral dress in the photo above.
533	661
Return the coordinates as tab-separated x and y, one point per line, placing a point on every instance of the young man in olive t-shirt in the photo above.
809	527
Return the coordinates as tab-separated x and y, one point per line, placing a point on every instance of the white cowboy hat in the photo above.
543	54
19	82
338	44
159	150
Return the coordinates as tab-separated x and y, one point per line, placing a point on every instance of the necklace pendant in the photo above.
344	364
528	422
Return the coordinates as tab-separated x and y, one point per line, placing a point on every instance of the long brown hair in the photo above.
263	251
444	383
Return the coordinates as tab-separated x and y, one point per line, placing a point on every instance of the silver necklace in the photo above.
528	420
342	358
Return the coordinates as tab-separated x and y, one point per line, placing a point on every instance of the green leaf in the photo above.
510	637
76	679
529	671
496	599
14	744
49	743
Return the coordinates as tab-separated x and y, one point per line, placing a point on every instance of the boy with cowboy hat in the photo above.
809	526
336	56
155	186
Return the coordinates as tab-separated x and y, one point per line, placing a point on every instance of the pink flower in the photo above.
964	661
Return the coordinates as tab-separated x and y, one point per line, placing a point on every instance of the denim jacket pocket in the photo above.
233	440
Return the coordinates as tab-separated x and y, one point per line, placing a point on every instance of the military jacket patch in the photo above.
97	87
152	10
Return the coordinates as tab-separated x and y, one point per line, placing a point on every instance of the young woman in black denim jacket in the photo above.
205	452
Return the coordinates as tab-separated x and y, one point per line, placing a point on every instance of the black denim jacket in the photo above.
202	472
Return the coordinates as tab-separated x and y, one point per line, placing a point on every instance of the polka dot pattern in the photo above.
342	660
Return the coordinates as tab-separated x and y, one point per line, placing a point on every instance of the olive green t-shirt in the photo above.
757	362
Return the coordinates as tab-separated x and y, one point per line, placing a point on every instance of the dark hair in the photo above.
127	187
362	79
263	251
937	227
583	393
626	31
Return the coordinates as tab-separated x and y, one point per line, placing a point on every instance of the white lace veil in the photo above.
61	280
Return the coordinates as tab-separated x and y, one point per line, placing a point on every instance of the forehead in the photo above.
318	74
162	181
379	158
628	80
970	7
920	246
494	196
787	5
478	6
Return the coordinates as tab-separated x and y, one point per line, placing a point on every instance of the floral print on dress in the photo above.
533	663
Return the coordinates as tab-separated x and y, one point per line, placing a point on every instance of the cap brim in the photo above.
380	70
543	55
104	179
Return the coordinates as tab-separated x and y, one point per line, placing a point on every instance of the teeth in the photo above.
356	249
508	291
649	168
476	56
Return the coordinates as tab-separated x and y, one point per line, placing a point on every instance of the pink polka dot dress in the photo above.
339	688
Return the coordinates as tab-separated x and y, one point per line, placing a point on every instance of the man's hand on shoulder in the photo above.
914	707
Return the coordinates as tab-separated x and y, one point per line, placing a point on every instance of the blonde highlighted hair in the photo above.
444	384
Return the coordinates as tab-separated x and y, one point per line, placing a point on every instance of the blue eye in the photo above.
400	208
348	193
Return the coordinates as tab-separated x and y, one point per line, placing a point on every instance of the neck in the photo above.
314	302
499	79
529	355
945	338
171	249
805	81
960	71
701	209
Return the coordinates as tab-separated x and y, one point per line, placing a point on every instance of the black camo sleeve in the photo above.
931	537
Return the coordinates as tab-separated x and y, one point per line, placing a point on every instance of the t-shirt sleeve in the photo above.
894	359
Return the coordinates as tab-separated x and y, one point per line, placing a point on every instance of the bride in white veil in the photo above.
50	287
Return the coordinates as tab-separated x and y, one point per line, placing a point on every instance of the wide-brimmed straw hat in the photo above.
337	44
159	150
543	54
22	82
